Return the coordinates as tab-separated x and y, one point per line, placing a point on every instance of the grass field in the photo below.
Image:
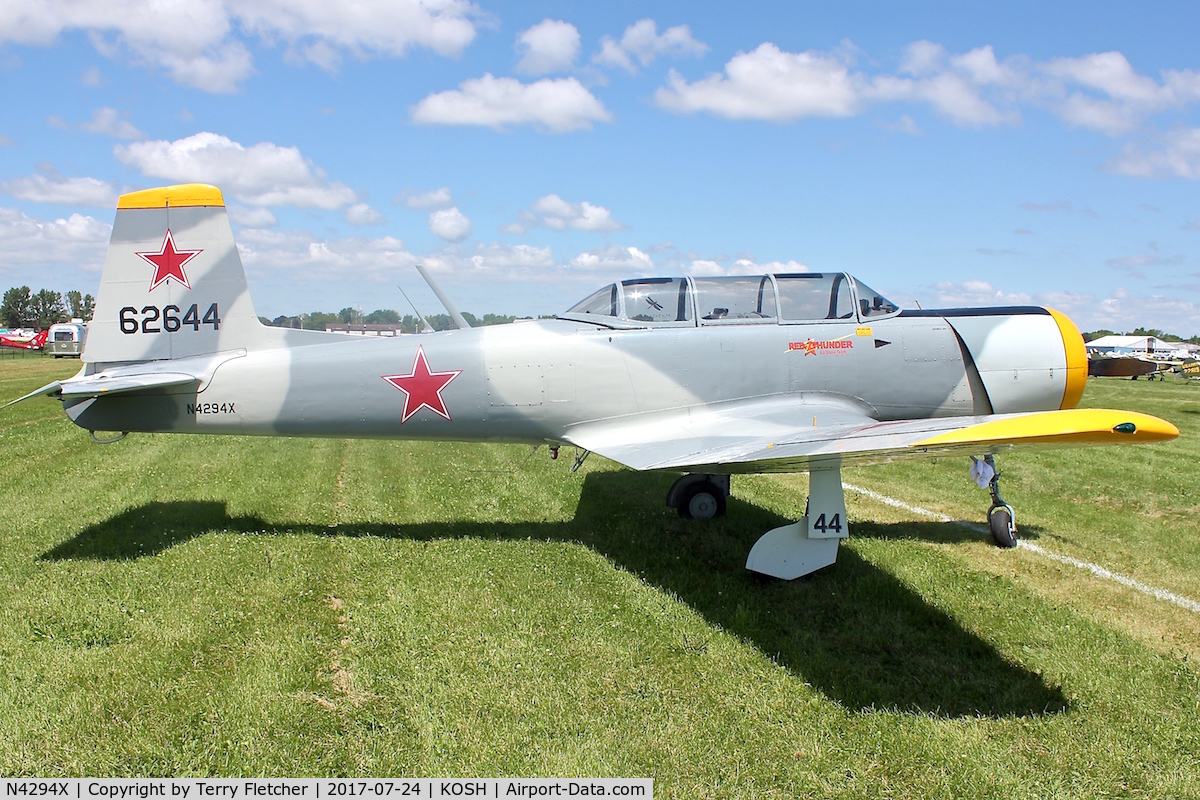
183	605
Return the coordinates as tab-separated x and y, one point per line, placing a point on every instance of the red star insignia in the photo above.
422	388
168	263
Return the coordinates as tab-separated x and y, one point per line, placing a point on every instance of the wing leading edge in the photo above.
801	432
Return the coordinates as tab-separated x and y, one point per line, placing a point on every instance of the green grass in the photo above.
234	606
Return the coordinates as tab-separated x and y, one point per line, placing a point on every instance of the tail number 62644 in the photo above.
168	319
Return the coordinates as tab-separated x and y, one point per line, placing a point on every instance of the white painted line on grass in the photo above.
1095	569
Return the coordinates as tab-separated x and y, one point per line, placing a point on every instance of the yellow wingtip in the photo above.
1069	427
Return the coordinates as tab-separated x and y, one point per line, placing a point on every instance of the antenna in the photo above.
425	326
459	322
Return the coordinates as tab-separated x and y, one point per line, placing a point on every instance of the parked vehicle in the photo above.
66	339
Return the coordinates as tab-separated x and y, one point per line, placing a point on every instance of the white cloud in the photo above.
450	224
953	86
91	77
554	105
1120	310
252	217
1178	155
26	242
298	254
1123	310
1100	92
196	42
107	121
552	212
549	46
486	264
974	293
513	262
438	198
922	58
53	188
1126	96
643	42
709	267
905	124
363	214
951	95
769	84
263	174
628	260
747	267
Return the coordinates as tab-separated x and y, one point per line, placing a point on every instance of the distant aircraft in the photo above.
1127	367
34	341
708	376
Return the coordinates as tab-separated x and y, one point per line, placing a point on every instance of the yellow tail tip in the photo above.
184	195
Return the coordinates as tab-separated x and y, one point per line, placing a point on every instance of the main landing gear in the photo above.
807	545
789	551
697	496
1001	520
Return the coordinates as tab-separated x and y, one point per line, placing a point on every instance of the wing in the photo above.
795	433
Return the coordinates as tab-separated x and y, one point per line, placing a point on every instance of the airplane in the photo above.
709	376
34	342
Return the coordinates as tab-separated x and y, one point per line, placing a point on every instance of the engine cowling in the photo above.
1028	358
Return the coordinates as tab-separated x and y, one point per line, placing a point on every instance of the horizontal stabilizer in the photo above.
48	390
97	385
102	384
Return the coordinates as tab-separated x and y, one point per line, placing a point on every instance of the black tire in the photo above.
1000	521
702	501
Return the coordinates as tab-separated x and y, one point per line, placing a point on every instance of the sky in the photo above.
944	153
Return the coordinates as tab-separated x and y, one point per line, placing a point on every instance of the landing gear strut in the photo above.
810	543
1000	515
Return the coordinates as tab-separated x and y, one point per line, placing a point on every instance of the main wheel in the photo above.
1003	532
702	501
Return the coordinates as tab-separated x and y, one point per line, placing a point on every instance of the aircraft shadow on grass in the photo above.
853	631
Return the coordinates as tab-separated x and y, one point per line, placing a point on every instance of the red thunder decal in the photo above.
168	263
422	388
811	347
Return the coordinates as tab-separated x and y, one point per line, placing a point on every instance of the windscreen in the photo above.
871	303
602	303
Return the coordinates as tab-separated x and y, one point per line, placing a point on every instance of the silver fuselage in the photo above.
532	381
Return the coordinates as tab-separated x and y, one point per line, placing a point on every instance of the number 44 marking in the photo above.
826	512
834	524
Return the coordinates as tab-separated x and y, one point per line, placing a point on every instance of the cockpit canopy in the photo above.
753	299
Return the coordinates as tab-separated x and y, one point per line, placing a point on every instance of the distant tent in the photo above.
1130	345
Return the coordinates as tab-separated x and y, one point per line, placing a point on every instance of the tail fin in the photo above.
173	284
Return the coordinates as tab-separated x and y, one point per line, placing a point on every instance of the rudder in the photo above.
173	285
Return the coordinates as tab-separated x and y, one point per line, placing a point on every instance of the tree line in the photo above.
408	323
1139	331
22	308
